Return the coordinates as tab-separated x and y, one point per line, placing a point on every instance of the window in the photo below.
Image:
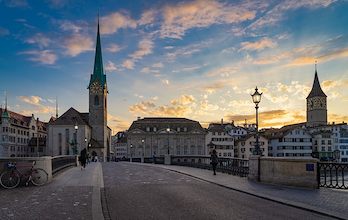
323	142
322	148
96	100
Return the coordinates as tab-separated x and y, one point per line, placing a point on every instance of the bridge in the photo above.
124	190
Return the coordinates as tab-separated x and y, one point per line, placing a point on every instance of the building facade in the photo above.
21	136
165	136
218	138
245	146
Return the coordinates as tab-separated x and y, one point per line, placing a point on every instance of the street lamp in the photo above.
75	147
143	141
257	99
168	130
131	152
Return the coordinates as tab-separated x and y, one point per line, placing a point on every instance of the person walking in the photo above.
83	158
214	161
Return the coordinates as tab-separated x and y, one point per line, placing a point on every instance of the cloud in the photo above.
77	43
186	99
199	14
129	64
155	98
76	27
328	84
157	65
4	31
44	57
209	107
39	39
139	96
145	48
169	111
165	81
17	3
111	66
148	70
35	102
114	47
240	103
141	107
147	17
277	14
114	21
57	3
211	89
225	71
265	42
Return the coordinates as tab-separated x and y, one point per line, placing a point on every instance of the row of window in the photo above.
154	129
6	138
171	140
13	131
295	140
222	139
292	155
292	148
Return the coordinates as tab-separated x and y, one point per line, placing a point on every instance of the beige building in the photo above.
165	136
246	144
20	134
219	139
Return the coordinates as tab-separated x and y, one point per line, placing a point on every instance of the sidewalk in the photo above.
91	177
330	202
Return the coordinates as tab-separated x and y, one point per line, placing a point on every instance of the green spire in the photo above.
5	114
98	71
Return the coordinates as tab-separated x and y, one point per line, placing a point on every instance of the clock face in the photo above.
322	103
96	87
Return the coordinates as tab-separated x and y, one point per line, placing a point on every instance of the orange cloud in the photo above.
265	42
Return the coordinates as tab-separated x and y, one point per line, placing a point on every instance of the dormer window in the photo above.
154	129
147	129
185	129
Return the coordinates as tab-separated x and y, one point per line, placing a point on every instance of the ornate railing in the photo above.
237	167
61	162
333	175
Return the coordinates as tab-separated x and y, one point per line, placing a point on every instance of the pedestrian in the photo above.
153	158
83	158
214	161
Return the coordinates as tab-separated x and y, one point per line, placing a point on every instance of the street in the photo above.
134	191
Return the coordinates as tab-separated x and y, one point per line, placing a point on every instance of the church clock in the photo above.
310	104
96	87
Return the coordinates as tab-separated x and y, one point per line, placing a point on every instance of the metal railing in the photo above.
333	175
60	163
237	167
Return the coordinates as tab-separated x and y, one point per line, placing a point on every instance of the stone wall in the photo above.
297	172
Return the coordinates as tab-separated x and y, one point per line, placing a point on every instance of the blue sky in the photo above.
195	59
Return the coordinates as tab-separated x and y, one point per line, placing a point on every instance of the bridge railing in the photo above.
233	166
60	163
333	175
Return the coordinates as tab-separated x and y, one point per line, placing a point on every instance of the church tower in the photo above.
98	104
316	104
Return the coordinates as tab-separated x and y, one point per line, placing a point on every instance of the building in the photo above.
163	136
119	143
73	131
245	146
316	104
289	141
218	138
19	135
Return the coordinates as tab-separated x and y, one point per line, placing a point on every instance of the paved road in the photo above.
135	191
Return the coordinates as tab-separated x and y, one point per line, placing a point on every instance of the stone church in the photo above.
73	131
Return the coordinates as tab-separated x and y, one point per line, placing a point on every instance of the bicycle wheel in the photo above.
9	179
39	177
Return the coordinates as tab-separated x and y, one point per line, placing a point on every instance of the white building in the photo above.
219	139
289	141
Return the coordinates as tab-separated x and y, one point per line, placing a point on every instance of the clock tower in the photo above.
100	140
316	104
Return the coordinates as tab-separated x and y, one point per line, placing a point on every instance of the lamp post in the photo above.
257	99
75	147
131	152
143	141
168	130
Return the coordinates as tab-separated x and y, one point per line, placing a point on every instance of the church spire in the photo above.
5	114
316	89
98	71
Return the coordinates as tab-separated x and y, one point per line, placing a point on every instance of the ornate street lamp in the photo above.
257	99
168	130
74	142
131	147
143	141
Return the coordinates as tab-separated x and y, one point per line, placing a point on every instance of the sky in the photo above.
197	59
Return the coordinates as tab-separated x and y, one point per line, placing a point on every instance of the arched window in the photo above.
96	100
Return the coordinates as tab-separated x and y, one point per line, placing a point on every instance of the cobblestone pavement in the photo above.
46	202
331	202
145	191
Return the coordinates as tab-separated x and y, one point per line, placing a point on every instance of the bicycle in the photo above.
12	177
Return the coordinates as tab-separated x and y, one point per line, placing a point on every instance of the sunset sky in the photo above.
198	59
